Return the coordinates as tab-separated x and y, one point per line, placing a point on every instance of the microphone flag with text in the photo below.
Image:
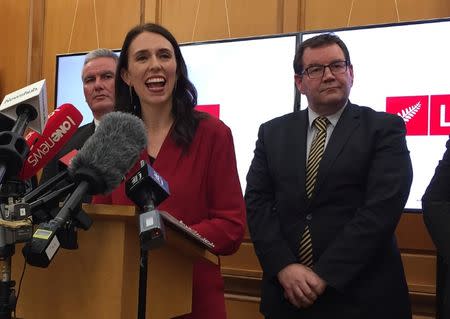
27	106
98	168
34	95
62	124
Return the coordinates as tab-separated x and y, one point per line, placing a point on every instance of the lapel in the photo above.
80	136
169	156
346	125
297	153
90	129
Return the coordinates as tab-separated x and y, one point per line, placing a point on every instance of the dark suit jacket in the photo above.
75	143
436	214
362	186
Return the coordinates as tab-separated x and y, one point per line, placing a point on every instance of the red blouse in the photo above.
205	194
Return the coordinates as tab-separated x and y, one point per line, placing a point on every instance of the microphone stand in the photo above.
147	193
7	292
142	290
151	236
15	224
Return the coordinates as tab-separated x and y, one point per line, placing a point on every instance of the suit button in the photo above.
309	217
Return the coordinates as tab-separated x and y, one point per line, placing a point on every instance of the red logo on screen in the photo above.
413	110
440	115
212	109
424	114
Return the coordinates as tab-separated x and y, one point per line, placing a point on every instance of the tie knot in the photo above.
321	123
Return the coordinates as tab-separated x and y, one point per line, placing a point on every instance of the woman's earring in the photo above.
131	95
175	87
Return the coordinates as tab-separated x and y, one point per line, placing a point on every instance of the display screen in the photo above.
403	69
244	82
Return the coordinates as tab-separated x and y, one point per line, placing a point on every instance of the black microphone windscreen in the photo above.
6	123
111	151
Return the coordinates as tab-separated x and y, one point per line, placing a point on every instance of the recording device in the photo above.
16	223
99	167
147	189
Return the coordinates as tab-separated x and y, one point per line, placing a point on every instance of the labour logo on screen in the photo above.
440	114
211	109
423	114
413	110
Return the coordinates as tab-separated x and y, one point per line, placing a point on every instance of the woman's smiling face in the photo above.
152	69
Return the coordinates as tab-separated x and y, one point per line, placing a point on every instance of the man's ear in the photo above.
352	76
299	83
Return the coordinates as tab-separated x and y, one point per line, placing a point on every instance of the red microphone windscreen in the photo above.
32	137
61	125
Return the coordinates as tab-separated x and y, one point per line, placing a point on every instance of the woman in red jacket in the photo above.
193	151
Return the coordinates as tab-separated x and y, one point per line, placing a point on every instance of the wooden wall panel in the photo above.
243	263
292	10
242	308
242	272
412	235
82	25
152	11
179	17
37	14
418	9
420	281
325	14
14	37
255	17
196	20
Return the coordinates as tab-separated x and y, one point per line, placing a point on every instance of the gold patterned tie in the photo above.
315	155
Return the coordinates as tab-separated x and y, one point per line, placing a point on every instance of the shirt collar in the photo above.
96	122
333	118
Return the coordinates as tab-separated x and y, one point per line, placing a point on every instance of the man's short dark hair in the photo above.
317	42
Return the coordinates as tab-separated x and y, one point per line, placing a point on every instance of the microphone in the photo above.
99	167
32	137
6	123
44	201
61	126
147	189
33	99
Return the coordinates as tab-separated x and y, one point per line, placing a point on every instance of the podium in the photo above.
100	278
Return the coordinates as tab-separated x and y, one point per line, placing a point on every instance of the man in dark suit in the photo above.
325	191
98	74
436	215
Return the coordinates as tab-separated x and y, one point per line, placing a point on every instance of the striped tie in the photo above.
315	155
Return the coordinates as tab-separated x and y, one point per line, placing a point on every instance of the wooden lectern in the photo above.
100	278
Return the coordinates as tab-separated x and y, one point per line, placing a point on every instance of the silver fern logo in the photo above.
408	113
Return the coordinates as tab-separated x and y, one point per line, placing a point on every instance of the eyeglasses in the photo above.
317	71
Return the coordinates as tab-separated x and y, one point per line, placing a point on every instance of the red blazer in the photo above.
205	194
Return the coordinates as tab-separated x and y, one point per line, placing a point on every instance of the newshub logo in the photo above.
423	114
